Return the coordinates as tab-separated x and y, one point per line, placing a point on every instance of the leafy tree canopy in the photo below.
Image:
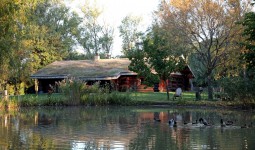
157	59
249	33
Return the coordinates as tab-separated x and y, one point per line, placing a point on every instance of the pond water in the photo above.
121	128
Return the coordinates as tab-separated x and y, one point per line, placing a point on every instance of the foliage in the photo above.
95	38
79	93
129	31
238	88
12	16
198	70
31	100
211	30
77	56
51	33
139	65
107	39
158	54
3	104
96	95
72	89
249	53
32	35
117	98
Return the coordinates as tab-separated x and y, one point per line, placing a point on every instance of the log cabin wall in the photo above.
131	83
127	82
174	82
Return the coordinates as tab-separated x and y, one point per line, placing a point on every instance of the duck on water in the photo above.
172	123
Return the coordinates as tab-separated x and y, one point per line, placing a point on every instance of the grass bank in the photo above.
117	98
188	99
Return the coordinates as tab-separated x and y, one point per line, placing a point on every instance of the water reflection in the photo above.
123	128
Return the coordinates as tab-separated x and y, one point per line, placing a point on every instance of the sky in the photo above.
115	10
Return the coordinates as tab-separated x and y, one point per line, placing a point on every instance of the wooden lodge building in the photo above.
112	71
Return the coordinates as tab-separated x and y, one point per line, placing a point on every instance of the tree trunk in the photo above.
167	90
210	88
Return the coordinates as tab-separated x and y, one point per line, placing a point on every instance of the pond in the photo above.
121	128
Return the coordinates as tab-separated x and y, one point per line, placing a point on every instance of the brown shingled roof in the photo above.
85	69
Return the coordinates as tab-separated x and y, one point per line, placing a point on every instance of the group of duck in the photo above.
203	122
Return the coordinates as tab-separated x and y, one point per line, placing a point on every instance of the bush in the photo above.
31	100
36	100
94	99
238	88
73	90
80	93
96	95
117	98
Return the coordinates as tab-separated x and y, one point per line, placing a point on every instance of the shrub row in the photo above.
80	93
72	92
240	89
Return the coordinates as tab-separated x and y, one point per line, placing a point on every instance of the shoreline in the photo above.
205	104
156	105
121	99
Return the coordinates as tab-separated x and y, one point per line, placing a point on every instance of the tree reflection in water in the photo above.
123	128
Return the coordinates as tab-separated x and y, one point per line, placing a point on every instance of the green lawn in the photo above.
188	99
162	96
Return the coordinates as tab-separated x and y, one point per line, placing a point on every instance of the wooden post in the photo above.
6	120
36	86
5	94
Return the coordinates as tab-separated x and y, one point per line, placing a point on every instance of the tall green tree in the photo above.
158	58
54	32
7	17
48	35
36	33
107	39
96	37
92	29
129	32
249	33
13	15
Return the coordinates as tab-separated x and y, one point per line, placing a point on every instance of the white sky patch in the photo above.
115	10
